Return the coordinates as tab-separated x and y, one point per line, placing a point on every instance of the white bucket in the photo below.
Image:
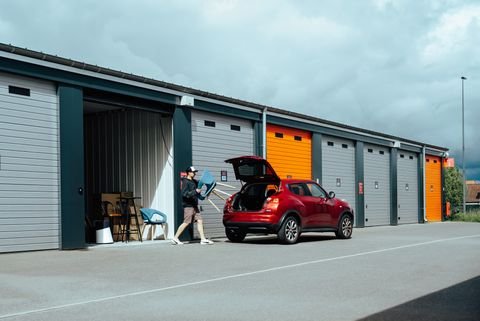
104	236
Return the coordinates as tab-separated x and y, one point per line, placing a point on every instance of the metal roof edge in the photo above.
300	117
140	80
179	89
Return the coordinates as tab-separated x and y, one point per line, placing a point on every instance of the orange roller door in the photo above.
289	151
433	188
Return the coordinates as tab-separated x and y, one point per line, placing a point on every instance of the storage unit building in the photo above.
377	185
407	187
29	164
70	130
216	138
289	151
433	188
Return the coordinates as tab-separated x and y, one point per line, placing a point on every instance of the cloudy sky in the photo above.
392	66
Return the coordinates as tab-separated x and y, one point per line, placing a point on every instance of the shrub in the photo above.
470	216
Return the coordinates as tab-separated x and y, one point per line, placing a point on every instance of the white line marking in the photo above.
121	296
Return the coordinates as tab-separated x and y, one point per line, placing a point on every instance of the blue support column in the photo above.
317	157
72	167
421	184
393	187
258	132
182	157
360	187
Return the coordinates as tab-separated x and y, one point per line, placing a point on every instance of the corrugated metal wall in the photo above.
407	187
216	138
289	151
29	165
129	150
433	188
338	167
377	185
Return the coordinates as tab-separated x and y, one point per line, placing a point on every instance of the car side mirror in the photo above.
331	194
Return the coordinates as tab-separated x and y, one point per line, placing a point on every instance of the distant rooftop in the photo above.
473	193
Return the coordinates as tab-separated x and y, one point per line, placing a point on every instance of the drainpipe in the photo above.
264	136
424	184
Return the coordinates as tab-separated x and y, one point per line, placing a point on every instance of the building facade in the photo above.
70	131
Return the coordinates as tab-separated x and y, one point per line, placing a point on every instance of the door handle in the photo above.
80	190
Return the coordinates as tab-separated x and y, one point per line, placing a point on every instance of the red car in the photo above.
287	207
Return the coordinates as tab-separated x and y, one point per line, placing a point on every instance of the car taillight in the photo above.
271	203
228	204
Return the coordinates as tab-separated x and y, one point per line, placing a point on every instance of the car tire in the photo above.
289	232
345	227
235	235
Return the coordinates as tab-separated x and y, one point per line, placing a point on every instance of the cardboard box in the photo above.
114	211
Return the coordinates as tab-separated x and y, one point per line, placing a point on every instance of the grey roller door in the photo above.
407	187
29	164
338	167
377	185
216	138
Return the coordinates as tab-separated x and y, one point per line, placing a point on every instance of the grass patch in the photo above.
470	216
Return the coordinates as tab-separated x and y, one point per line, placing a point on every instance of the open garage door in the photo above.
128	150
377	185
407	187
216	138
29	164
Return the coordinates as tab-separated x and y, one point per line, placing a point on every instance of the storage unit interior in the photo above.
128	148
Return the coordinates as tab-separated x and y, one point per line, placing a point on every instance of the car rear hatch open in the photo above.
253	169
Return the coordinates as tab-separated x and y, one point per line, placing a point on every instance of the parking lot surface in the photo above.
409	272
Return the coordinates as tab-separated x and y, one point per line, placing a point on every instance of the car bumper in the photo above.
252	222
250	227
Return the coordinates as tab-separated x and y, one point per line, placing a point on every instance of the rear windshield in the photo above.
254	170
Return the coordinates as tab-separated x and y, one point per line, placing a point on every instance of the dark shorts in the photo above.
191	214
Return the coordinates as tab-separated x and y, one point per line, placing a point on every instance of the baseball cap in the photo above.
191	169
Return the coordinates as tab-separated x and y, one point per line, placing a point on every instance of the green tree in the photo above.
453	187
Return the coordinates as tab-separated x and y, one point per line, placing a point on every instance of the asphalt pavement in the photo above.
408	272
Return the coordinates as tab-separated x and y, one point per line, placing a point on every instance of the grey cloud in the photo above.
390	66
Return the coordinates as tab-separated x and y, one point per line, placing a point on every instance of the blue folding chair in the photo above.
153	218
209	181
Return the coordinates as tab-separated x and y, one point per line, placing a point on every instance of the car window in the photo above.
298	189
315	190
254	170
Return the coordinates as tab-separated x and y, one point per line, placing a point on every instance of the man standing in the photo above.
190	192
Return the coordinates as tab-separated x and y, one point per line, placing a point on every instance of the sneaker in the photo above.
176	241
206	242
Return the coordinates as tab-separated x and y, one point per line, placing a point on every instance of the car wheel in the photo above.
235	235
289	231
345	227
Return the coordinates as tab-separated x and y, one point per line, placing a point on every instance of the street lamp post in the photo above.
463	145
